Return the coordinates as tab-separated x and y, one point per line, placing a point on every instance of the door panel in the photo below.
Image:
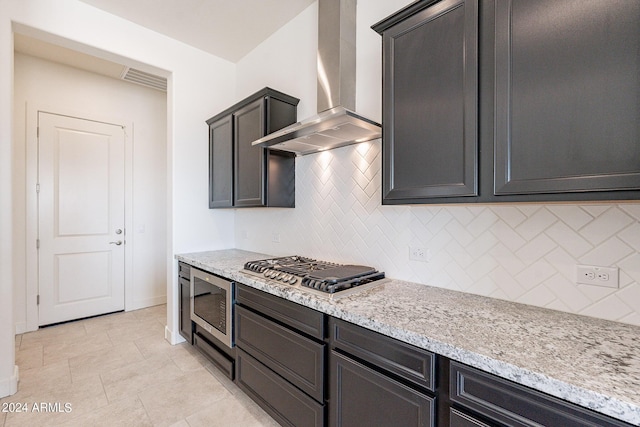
81	210
67	274
567	96
431	97
249	160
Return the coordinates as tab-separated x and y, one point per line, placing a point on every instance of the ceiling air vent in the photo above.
145	79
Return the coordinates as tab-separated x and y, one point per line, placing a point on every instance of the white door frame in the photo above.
31	253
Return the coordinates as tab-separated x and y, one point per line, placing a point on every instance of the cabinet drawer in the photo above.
225	363
304	319
296	358
361	396
184	270
288	405
404	360
514	405
460	419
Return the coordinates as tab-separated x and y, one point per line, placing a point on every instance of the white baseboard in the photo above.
9	386
173	337
147	302
21	328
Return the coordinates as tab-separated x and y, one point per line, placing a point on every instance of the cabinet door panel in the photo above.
567	96
297	359
249	124
361	396
297	316
514	405
284	402
404	360
185	310
430	111
220	163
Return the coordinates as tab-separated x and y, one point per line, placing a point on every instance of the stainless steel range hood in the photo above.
336	124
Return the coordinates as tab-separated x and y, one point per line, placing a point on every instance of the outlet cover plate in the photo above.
598	276
417	253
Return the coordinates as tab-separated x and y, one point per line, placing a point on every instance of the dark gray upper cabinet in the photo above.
558	101
249	161
221	163
430	101
567	93
241	175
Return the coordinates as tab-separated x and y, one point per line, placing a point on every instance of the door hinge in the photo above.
37	243
37	188
38	300
38	132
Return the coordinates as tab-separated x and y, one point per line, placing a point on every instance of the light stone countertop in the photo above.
591	362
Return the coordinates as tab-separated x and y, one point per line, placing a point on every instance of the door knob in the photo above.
119	242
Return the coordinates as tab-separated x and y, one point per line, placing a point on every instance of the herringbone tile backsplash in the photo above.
518	252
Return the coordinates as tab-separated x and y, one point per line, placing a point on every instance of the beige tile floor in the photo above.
118	370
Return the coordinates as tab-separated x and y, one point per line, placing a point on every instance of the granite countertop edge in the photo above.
228	263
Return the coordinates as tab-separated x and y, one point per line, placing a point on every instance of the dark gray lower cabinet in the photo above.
281	357
296	358
305	368
379	381
460	419
362	396
284	402
186	326
215	351
504	403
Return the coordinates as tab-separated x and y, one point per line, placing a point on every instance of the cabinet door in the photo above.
430	104
249	162
506	403
291	355
285	403
361	396
185	310
221	163
567	95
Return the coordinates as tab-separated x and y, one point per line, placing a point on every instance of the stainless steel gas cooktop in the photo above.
324	278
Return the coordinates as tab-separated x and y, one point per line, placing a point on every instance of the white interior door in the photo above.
81	256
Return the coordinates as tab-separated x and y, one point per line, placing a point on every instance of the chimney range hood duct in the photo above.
336	124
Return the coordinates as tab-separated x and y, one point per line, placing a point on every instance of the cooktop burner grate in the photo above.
323	276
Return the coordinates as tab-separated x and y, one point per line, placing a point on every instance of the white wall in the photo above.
42	84
199	86
518	252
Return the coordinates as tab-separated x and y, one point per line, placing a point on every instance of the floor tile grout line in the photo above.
146	411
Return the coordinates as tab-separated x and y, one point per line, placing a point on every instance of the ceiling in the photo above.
228	29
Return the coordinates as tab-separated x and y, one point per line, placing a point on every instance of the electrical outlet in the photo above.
275	237
599	276
417	253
